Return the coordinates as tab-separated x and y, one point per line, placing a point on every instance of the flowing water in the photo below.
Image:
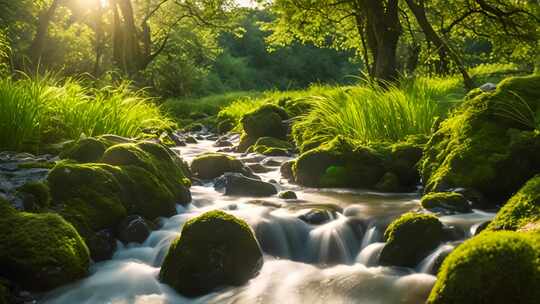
335	262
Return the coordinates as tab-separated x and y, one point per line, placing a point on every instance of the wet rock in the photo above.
446	202
225	126
101	244
461	154
215	249
212	165
410	238
195	127
436	266
389	183
237	184
488	87
481	227
133	229
264	203
222	142
358	226
273	181
286	170
472	272
287	195
453	233
317	216
258	168
272	162
191	140
40	251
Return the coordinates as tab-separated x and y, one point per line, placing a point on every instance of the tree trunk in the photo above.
384	30
99	40
38	43
127	52
419	12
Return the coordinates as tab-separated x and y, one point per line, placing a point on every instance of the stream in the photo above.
332	262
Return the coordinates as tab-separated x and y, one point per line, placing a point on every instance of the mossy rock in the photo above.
483	146
35	195
522	209
495	267
266	121
403	162
410	238
160	161
270	146
339	163
246	141
450	201
214	249
212	165
40	251
389	183
225	126
86	150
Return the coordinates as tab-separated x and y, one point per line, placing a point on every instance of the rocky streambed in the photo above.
322	246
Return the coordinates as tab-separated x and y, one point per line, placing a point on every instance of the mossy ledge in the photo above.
214	249
483	146
40	251
494	267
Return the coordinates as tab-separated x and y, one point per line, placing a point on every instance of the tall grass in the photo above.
370	113
34	112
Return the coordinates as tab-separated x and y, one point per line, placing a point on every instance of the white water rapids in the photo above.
335	262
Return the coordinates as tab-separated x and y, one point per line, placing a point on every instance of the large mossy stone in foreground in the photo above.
450	201
522	209
494	267
489	143
214	249
212	165
410	238
40	251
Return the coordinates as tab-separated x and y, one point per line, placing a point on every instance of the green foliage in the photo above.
494	267
371	113
410	238
35	112
40	251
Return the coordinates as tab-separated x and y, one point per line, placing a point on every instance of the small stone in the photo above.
133	229
287	195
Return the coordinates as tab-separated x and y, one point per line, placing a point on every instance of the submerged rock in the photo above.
286	170
212	165
214	249
237	184
446	201
484	146
522	209
494	267
40	251
410	238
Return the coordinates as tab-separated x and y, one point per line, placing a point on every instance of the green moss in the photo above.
484	145
410	238
87	195
403	161
225	126
40	251
271	147
214	249
246	141
494	267
265	121
35	195
212	165
86	150
523	208
445	200
339	163
170	170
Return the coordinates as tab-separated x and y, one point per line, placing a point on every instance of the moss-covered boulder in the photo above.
494	267
446	201
40	251
212	165
410	238
265	121
86	150
236	184
158	160
35	195
339	163
522	209
489	143
214	249
270	146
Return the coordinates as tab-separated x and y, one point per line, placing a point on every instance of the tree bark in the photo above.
418	9
38	43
